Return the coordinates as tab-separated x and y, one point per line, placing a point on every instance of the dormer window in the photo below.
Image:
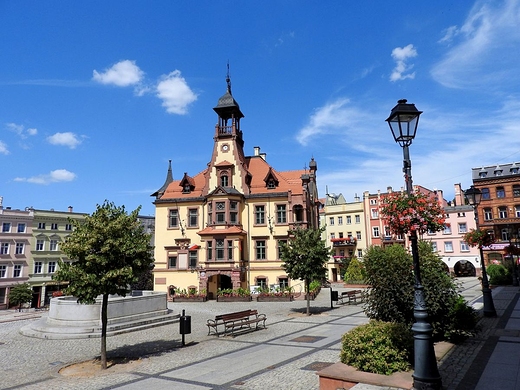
482	174
271	181
271	184
514	170
187	183
186	189
498	172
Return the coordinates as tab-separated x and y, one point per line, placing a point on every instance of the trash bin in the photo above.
185	324
334	296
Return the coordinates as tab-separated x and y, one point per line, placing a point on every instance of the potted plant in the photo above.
189	295
277	295
234	295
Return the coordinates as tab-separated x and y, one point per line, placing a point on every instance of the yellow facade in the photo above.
221	228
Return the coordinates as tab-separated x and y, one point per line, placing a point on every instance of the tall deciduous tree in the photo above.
19	294
111	250
305	256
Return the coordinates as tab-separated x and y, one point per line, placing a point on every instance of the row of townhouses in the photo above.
223	227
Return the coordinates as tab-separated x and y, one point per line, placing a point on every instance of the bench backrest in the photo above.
236	315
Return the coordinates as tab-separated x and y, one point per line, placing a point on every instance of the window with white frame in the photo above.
17	271
349	219
259	215
173	219
373	201
516	190
358	235
6	227
434	246
21	228
4	248
375	231
374	213
340	220
51	267
41	225
502	212
358	218
281	213
193	217
360	253
331	221
193	257
260	249
505	234
38	267
463	227
447	229
332	235
448	246
517	211
54	226
464	247
20	248
53	246
68	227
488	214
262	283
3	271
40	245
172	262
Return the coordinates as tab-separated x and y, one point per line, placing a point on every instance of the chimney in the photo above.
257	150
70	209
389	189
263	155
459	195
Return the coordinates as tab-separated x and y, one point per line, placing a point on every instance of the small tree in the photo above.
20	294
111	250
305	257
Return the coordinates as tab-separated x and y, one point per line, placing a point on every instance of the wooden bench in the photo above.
228	323
349	297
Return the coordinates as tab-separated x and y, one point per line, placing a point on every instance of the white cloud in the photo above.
175	93
402	70
56	176
68	139
3	148
485	49
20	130
122	74
449	34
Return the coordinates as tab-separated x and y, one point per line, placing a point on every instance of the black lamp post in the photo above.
403	121
474	196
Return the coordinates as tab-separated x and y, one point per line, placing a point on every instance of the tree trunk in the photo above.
104	320
308	294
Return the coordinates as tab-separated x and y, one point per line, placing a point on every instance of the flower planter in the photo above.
247	298
274	298
189	299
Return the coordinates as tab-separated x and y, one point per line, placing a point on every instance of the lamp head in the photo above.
473	196
403	121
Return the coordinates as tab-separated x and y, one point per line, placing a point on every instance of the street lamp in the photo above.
474	196
403	121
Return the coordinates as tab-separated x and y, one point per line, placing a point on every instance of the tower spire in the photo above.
228	79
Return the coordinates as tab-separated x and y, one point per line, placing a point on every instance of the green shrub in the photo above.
345	262
314	286
355	271
378	347
499	275
463	321
391	295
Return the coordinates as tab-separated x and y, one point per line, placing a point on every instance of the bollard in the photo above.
333	297
185	326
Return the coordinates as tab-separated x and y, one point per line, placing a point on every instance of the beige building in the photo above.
222	227
345	231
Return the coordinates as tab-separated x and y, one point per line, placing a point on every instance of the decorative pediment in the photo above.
224	191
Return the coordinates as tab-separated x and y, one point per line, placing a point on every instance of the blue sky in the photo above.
97	96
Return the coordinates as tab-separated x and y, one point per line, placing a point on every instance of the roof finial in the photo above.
228	79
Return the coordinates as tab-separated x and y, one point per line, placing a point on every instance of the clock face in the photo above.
225	147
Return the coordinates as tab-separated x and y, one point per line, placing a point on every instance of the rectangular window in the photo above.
51	267
360	253
349	219
173	221
358	219
262	283
193	218
68	227
505	235
53	245
340	220
464	247
501	193
447	229
332	236
448	246
283	283
502	212
375	231
233	217
4	248
260	250
17	271
279	247
331	221
20	247
463	227
54	226
40	245
516	190
517	211
281	213
21	227
193	259
358	235
434	246
233	205
6	227
373	201
172	262
38	266
340	235
219	249
41	225
485	193
488	214
209	250
230	250
259	215
374	213
221	212
3	272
